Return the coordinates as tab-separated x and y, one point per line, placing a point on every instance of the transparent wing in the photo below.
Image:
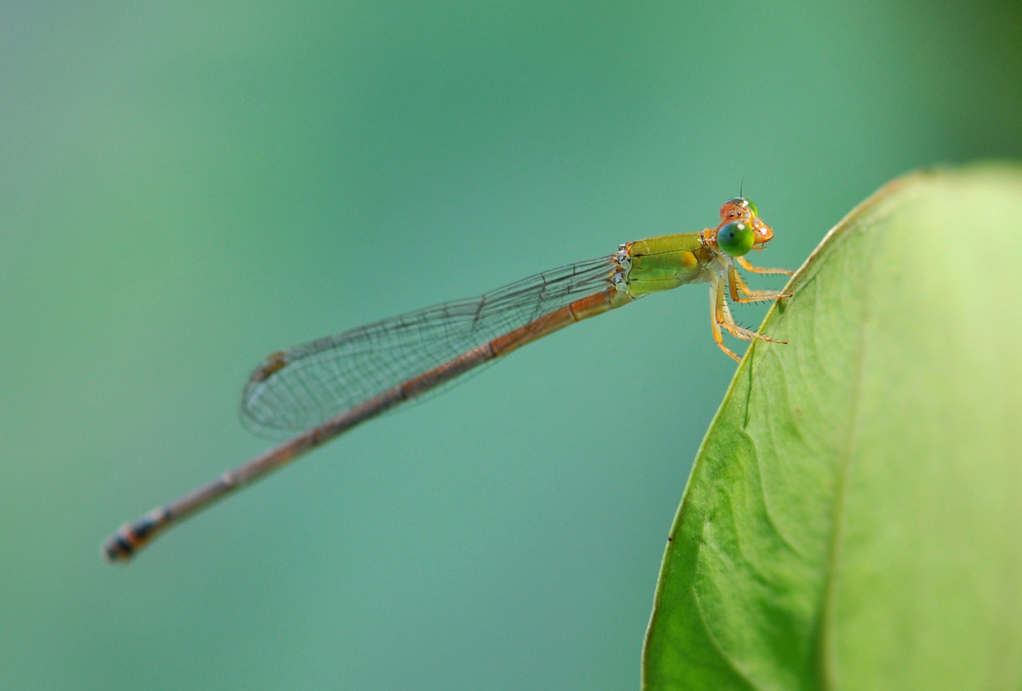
303	387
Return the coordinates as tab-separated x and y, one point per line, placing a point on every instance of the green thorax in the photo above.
667	261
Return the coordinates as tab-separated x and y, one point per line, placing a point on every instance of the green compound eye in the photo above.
752	208
736	238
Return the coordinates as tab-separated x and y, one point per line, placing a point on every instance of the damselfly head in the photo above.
740	209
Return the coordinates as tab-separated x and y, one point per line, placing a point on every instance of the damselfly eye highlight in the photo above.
736	238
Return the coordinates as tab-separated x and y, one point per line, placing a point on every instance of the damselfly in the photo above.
328	386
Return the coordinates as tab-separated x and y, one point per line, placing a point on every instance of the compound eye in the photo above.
752	207
736	238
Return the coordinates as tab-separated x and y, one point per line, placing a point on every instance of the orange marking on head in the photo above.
735	210
763	232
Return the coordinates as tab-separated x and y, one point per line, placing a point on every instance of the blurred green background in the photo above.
187	187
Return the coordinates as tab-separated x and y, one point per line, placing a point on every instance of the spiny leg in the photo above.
756	270
736	284
722	318
746	334
717	307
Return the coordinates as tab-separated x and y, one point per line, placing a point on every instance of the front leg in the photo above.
736	284
720	316
756	270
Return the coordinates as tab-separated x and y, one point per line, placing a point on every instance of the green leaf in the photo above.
854	515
